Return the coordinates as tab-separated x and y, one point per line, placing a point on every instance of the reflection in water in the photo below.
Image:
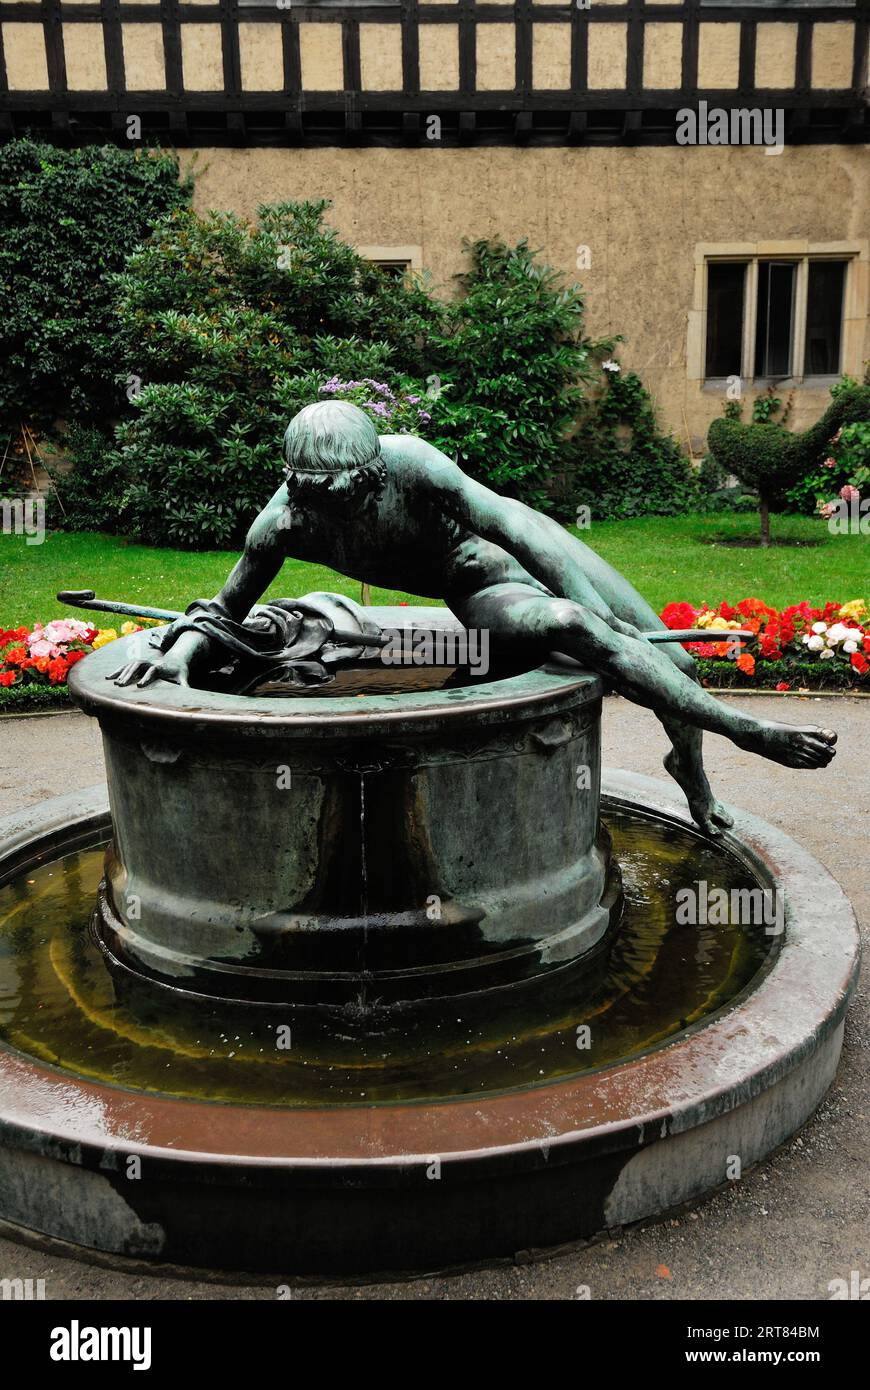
59	1003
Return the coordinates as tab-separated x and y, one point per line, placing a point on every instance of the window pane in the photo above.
396	270
824	317
725	280
773	328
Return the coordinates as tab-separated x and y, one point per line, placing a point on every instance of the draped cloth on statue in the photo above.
287	641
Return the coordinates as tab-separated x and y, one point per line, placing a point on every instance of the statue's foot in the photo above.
707	813
793	745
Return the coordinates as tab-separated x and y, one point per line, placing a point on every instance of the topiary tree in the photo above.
68	219
228	328
770	459
511	363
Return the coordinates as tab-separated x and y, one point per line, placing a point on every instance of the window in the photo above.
825	296
395	269
770	318
774	318
725	292
395	261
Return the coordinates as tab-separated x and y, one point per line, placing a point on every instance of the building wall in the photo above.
642	214
430	121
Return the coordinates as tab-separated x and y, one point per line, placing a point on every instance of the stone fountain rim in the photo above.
793	1007
170	708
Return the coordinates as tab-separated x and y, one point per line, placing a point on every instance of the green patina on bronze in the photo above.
273	849
393	511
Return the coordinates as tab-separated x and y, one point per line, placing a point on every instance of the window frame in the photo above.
411	257
856	256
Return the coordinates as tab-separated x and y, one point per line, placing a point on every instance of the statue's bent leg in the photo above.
685	760
516	615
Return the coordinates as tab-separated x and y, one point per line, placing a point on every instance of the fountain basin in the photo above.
360	1187
290	849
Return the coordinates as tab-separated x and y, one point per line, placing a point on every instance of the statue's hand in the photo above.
171	666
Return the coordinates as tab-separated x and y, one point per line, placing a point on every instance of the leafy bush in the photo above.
90	492
513	359
231	328
68	219
620	463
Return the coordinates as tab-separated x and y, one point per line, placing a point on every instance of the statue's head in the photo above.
333	454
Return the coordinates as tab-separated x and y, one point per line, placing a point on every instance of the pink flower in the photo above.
43	648
61	630
827	510
830	463
849	493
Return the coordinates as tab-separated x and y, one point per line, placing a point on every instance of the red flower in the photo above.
746	663
7	677
860	663
57	670
676	615
14	634
74	656
783	685
15	656
769	647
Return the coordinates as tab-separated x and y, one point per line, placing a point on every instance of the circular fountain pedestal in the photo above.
269	854
319	850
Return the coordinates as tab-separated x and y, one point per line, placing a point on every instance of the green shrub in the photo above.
68	219
231	328
620	463
90	493
511	364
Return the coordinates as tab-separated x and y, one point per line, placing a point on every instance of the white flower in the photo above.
820	627
837	632
850	647
815	644
610	366
826	655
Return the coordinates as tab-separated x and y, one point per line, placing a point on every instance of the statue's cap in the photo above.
330	437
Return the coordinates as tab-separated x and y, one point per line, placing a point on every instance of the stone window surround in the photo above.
411	255
855	305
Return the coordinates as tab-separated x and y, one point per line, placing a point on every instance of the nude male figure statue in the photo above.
393	511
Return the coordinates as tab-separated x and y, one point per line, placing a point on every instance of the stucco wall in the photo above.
641	212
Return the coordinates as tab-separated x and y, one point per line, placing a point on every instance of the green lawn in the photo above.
667	558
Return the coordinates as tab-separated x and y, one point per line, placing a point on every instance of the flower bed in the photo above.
799	648
35	662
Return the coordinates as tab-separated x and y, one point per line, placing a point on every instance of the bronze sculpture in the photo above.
394	511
